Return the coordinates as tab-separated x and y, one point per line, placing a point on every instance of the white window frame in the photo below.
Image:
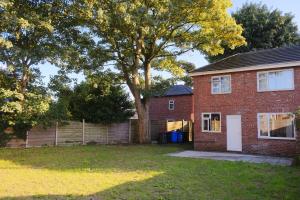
267	72
202	122
171	102
268	118
219	77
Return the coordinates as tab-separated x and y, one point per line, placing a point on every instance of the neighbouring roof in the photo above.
177	90
265	57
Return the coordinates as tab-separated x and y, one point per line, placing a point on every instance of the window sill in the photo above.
211	131
291	89
276	138
221	93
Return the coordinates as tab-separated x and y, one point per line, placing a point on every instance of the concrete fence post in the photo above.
149	130
56	133
106	134
26	142
129	131
83	131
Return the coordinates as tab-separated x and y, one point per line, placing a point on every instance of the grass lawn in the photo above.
137	172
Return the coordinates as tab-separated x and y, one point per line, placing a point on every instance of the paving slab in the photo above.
234	157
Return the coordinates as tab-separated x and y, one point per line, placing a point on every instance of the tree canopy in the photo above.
138	36
135	37
263	28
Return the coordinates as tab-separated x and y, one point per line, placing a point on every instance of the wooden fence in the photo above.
86	133
73	133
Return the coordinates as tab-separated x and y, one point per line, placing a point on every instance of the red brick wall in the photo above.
159	108
247	102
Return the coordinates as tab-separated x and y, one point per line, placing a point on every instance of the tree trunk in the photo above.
142	108
143	125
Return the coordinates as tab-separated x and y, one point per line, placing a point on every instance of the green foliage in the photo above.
263	28
160	85
101	99
19	112
100	105
137	36
31	33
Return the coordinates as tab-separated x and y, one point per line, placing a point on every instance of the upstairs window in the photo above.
275	80
276	125
171	104
221	84
211	122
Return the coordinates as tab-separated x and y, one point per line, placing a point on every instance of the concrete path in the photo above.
234	157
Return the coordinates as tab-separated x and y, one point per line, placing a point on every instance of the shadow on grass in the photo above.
180	178
167	186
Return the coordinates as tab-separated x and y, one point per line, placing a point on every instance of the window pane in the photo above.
286	79
206	115
215	122
216	85
272	80
225	84
281	125
263	82
206	124
280	80
263	125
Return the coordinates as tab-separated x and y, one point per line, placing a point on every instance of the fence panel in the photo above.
96	133
16	143
118	133
39	136
70	133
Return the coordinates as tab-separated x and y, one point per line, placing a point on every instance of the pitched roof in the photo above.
254	58
177	90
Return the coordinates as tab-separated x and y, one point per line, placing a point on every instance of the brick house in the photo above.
176	104
246	102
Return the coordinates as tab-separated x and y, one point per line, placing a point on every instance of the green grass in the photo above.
137	172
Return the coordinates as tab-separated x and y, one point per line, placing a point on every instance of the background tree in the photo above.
137	34
100	99
20	111
263	28
29	37
160	85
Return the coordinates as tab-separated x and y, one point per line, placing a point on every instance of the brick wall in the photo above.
247	102
159	108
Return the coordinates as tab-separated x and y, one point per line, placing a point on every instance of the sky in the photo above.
286	6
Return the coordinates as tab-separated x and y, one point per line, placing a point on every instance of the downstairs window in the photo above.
276	125
211	122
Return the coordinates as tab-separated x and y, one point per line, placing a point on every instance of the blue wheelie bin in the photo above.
174	137
179	137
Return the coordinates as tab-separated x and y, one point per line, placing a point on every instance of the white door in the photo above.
234	133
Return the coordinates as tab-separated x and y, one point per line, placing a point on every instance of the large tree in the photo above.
31	33
20	111
139	35
263	28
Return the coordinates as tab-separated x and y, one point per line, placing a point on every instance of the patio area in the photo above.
234	157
